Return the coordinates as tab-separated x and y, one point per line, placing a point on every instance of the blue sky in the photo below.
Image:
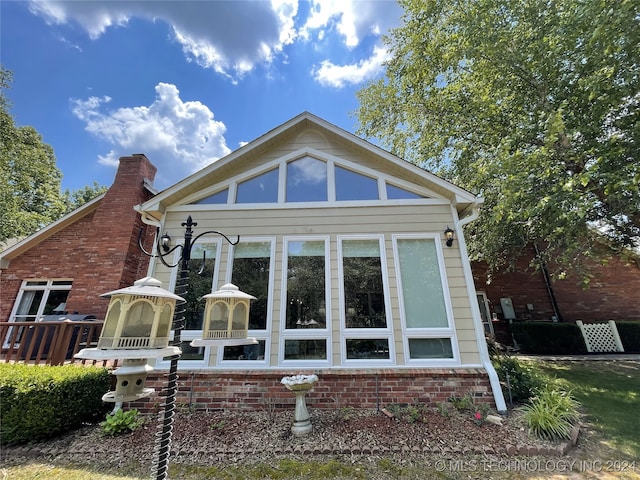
185	82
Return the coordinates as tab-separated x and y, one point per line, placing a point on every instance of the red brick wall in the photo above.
611	295
367	388
99	252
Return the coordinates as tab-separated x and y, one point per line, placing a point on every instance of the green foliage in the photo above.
462	403
549	338
76	198
521	378
630	336
40	402
408	413
121	422
551	414
532	104
30	195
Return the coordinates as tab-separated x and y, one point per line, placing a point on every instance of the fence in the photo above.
48	343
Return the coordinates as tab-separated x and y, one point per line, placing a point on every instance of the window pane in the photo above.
245	352
251	265
307	180
397	193
56	302
305	349
358	349
260	189
363	287
421	284
353	186
215	199
200	283
430	348
29	305
306	306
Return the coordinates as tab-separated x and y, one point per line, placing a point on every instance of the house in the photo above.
347	250
94	249
527	293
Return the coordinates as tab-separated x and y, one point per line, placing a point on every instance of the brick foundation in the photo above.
370	388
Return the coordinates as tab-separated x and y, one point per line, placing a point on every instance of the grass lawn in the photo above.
609	391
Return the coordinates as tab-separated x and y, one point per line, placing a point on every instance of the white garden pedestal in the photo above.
300	385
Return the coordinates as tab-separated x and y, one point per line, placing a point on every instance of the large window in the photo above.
41	297
305	333
364	295
252	273
366	323
422	285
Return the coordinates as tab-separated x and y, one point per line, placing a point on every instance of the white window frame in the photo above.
257	334
365	333
425	332
25	287
305	334
48	288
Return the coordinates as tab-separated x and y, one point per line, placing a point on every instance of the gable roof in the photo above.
44	233
462	199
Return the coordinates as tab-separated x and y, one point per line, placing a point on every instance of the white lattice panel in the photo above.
601	337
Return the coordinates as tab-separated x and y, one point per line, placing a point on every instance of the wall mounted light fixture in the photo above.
165	242
448	234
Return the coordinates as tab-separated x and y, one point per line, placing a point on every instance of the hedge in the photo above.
41	402
630	336
549	338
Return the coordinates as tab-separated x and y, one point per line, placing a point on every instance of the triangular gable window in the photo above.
260	189
397	193
354	186
215	199
307	180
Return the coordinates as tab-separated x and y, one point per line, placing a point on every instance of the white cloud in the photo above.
338	76
353	19
179	137
233	37
228	37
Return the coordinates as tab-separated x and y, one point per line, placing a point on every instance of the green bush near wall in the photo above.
630	336
549	338
40	402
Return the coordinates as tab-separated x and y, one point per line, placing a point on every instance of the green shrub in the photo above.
40	402
551	414
630	335
519	380
548	338
121	422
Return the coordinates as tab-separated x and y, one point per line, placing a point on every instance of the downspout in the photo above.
496	388
149	220
547	282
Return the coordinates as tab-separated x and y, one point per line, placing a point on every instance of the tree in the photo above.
532	104
29	181
76	198
30	195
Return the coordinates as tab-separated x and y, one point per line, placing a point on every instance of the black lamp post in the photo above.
163	249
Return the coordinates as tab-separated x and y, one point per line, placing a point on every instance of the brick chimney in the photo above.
112	258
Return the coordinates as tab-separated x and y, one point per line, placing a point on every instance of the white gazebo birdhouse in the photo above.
226	318
136	328
139	317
